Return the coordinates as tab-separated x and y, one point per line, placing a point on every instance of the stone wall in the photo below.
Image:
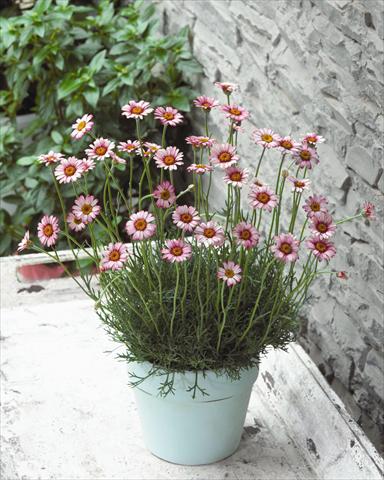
315	65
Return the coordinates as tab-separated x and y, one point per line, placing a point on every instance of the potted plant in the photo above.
197	296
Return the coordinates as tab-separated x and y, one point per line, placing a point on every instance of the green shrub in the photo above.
60	60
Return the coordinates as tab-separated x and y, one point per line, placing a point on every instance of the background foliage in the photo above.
62	59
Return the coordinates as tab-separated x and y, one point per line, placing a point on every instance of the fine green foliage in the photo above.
202	308
61	59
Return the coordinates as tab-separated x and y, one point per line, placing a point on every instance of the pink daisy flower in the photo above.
199	168
369	210
223	155
227	87
141	225
148	149
246	235
114	257
176	251
229	273
266	138
200	142
75	223
168	116
314	204
206	103
263	197
286	247
169	158
305	157
322	225
299	184
88	164
129	146
69	170
210	234
235	112
82	126
100	149
48	230
165	195
25	242
322	249
287	144
236	176
136	110
86	208
313	139
51	157
117	160
186	218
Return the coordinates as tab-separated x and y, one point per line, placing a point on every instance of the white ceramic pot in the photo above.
193	431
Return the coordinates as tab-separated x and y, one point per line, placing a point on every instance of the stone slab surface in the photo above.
68	413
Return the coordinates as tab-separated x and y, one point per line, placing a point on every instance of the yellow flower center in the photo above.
286	144
245	235
114	256
137	110
86	208
140	224
322	227
70	170
206	105
315	207
311	139
203	139
48	230
186	218
229	273
305	155
77	221
235	176
165	194
286	248
320	247
266	137
169	160
81	125
100	150
225	157
235	111
263	197
299	184
168	116
209	232
176	251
